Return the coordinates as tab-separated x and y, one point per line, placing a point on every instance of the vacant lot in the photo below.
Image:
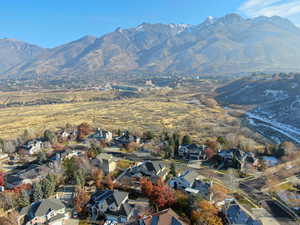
133	114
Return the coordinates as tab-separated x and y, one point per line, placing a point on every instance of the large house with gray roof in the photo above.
46	211
235	215
153	170
111	204
165	217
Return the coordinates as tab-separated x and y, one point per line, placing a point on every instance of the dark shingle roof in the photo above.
44	206
236	215
119	196
190	176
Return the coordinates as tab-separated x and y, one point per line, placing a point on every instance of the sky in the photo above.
49	23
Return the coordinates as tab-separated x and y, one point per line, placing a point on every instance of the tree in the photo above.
98	178
146	186
206	214
162	196
37	192
148	135
24	199
70	167
223	141
84	129
1	178
41	157
80	200
109	182
173	169
6	221
176	138
168	151
186	140
288	147
50	136
80	177
48	186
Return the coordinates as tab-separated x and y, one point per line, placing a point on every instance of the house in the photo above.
192	183
46	211
32	174
67	134
153	170
126	139
102	135
165	217
106	162
186	180
191	151
34	146
111	204
236	215
234	158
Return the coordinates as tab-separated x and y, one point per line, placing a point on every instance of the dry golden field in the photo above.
139	114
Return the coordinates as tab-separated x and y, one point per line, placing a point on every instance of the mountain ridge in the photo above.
219	46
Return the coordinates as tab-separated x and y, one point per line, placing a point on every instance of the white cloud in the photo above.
284	8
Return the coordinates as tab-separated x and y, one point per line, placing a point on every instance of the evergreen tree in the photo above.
41	157
173	169
48	186
24	199
37	192
50	136
187	140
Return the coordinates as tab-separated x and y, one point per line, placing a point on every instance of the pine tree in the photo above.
48	186
187	140
24	199
37	192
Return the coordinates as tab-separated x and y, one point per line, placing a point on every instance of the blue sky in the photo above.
53	22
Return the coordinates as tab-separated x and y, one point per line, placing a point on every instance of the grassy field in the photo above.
133	114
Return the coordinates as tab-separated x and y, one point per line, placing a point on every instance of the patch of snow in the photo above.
287	130
277	94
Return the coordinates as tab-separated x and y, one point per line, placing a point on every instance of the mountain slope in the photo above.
276	101
13	52
228	45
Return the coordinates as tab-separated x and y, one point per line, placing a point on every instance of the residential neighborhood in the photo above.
86	175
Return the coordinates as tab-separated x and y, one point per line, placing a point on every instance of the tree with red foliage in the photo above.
146	186
162	197
1	178
84	129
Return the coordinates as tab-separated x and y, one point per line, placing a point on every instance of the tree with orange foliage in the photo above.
109	182
146	186
80	200
98	177
206	214
84	129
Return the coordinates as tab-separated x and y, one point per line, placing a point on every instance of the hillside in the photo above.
227	45
275	100
14	52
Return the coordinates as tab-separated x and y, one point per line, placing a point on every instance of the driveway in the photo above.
71	222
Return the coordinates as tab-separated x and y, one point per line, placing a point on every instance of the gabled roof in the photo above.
190	176
236	215
41	208
119	196
165	217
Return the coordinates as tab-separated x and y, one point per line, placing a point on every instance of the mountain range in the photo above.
221	46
